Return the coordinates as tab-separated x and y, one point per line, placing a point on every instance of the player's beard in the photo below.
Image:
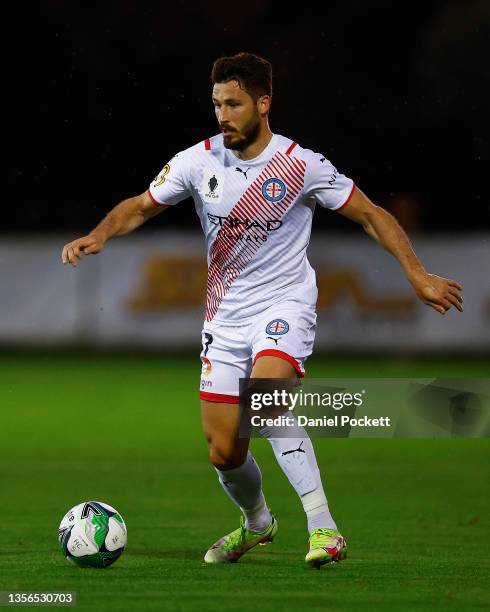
249	135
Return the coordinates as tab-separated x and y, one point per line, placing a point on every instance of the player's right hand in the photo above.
88	245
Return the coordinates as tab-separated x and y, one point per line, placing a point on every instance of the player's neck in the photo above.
256	148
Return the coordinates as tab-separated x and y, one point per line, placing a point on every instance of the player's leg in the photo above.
293	449
223	364
241	479
295	453
237	470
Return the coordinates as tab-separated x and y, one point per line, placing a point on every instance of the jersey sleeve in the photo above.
172	184
324	183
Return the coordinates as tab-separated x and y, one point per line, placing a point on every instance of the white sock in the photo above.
296	457
243	485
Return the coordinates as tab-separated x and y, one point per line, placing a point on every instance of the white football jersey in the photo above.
256	215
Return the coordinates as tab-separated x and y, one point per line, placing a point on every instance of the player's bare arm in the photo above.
435	291
122	219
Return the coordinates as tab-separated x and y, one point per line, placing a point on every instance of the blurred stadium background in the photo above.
94	361
104	97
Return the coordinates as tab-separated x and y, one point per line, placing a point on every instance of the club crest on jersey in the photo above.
277	327
212	186
274	189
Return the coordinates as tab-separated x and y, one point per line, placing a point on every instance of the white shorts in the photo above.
285	330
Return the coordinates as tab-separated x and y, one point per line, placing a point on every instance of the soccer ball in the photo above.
92	534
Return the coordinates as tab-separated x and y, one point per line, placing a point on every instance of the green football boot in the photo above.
326	546
231	547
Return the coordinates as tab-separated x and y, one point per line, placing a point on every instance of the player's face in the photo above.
238	115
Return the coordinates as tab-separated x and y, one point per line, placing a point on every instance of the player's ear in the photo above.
264	104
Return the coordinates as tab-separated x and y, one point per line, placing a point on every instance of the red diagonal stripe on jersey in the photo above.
238	249
231	252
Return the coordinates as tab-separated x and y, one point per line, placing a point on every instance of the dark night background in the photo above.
101	95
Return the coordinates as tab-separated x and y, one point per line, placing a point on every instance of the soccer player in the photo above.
255	194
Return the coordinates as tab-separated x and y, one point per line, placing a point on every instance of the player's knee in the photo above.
226	457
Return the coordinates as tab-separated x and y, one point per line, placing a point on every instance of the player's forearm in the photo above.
122	219
384	228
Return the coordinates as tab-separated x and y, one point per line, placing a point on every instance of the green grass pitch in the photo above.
127	431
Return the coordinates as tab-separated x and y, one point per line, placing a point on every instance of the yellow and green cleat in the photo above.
231	547
326	546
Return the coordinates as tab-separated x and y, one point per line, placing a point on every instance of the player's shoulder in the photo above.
200	155
198	151
211	146
213	143
312	158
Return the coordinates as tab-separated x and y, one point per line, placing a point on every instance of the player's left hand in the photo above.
437	292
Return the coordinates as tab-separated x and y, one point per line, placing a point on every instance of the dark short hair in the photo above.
253	73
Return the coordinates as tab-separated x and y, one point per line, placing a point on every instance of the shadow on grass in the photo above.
23	551
275	559
165	554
